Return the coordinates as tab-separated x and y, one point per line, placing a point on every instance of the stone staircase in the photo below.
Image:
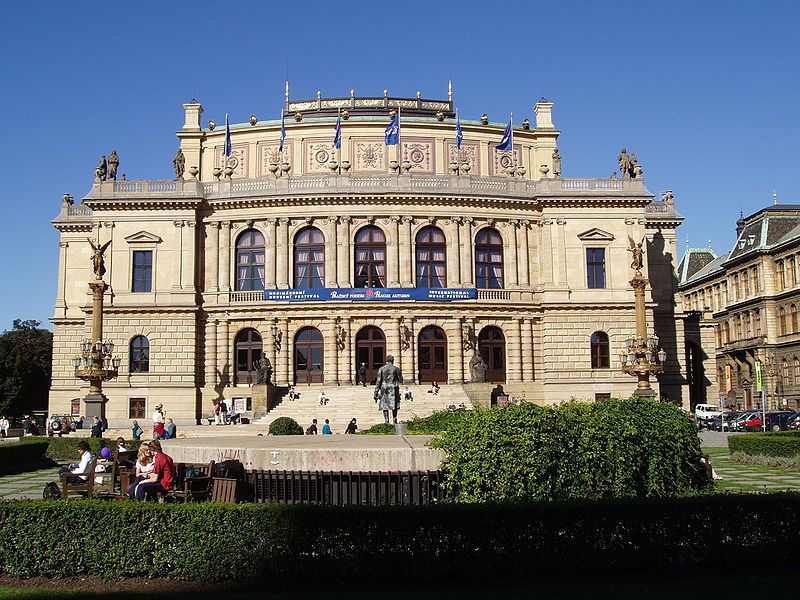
347	402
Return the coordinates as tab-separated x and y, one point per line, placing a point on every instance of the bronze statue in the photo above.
179	164
387	388
637	254
113	164
264	370
556	163
477	368
98	263
102	169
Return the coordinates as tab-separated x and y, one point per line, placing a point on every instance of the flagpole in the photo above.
513	156
339	134
399	141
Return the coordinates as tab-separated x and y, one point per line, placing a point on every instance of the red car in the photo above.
753	422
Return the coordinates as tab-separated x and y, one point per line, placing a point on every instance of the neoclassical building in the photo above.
741	309
325	258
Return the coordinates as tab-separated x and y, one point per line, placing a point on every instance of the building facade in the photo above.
324	258
742	310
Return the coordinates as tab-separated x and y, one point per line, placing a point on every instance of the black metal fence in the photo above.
338	488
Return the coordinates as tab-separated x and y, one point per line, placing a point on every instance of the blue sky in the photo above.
705	93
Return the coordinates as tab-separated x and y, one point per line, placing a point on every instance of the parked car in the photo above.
778	420
738	424
59	425
706	413
793	422
752	422
725	421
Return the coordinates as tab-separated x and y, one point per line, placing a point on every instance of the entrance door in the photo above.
492	346
248	351
371	350
432	355
308	356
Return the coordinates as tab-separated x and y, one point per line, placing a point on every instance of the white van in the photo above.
707	411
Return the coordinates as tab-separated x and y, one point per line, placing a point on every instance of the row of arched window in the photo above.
369	259
370	348
789	375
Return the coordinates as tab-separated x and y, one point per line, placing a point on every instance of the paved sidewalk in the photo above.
740	477
26	485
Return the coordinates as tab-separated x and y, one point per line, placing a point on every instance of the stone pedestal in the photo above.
95	406
263	399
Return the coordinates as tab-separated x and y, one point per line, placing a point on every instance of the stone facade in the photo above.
742	310
200	318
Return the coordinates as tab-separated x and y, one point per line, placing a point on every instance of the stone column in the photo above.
407	255
343	253
224	365
110	262
467	271
212	256
331	352
459	274
527	350
455	351
524	264
225	257
533	254
272	354
397	345
210	345
461	374
61	298
190	252
562	252
516	362
453	258
393	251
413	376
270	254
287	349
177	262
513	271
348	351
282	251
330	252
546	262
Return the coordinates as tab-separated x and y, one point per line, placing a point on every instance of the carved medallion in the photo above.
420	154
269	154
236	161
318	155
500	161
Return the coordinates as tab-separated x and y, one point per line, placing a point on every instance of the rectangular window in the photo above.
596	268
602	397
142	271
136	408
75	407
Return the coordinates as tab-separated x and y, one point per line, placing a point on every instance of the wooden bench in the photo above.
195	488
81	488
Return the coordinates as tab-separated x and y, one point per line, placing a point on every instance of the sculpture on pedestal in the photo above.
98	262
113	165
263	370
179	164
387	388
637	255
102	169
477	369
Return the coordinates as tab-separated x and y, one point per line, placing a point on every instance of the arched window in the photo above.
726	332
756	282
785	370
250	261
370	257
738	327
793	310
488	259
431	258
782	320
757	321
140	355
748	325
309	258
248	351
600	351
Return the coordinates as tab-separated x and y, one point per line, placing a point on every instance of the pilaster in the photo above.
330	252
225	257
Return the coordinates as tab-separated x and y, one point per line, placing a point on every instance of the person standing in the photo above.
362	374
136	430
161	477
326	428
158	421
97	428
4	425
217	413
387	388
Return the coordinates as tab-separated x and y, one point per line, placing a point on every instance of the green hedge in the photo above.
285	426
778	443
57	448
17	457
612	449
434	424
214	542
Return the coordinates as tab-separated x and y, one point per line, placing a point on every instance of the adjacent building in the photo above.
322	258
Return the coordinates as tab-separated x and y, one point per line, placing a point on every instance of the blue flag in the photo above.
507	143
228	150
393	131
283	132
337	134
459	133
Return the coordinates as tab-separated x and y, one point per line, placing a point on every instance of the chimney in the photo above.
192	120
544	114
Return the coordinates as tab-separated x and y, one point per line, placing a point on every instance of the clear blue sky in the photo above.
705	93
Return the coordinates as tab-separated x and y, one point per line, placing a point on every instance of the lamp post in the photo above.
643	356
96	362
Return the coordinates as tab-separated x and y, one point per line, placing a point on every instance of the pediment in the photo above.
595	235
143	237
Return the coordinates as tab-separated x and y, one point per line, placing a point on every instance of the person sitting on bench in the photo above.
161	477
77	469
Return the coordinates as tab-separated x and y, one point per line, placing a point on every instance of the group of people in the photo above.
352	427
163	428
224	415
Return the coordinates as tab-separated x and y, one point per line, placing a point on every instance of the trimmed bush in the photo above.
613	449
59	448
16	457
778	443
285	426
434	424
285	543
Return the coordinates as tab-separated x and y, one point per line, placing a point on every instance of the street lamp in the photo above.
642	358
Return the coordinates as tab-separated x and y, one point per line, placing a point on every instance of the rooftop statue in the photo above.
179	164
624	163
556	163
98	263
113	164
102	169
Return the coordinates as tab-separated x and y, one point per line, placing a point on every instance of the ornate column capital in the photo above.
346	219
408	220
395	219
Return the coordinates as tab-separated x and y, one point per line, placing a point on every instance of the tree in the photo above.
26	359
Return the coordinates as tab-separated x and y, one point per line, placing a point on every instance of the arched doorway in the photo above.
308	356
371	350
248	351
432	355
492	346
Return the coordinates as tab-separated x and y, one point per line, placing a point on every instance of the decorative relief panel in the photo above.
419	152
370	155
317	156
237	160
500	161
269	153
468	154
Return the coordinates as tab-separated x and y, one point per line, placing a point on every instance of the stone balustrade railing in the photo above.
239	297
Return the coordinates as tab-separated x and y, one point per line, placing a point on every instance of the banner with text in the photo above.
371	294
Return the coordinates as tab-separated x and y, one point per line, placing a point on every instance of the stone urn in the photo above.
298	116
285	167
466	167
393	165
522	171
406	166
253	119
217	172
454	167
333	165
193	171
273	168
345	165
544	170
228	171
440	116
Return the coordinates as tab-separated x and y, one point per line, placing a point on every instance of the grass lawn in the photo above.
742	477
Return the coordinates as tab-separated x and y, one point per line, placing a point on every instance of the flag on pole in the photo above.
393	131
758	376
283	131
459	133
337	134
228	150
507	142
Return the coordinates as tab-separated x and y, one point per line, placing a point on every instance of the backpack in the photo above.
229	469
51	491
